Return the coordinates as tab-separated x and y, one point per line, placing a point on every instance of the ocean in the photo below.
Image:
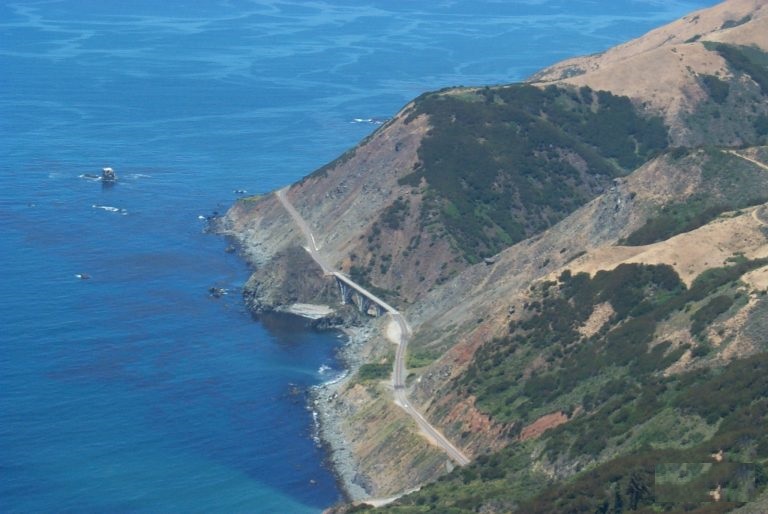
134	390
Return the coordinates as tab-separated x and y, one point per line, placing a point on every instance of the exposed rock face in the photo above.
292	277
344	203
543	424
365	219
262	227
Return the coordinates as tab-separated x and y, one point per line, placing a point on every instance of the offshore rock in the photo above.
108	175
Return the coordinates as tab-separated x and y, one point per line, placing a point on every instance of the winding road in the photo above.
398	375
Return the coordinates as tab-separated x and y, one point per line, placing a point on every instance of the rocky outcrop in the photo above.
291	276
108	175
345	203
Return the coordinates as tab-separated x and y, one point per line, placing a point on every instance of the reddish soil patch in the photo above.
543	424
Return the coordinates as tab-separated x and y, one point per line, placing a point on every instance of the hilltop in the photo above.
583	259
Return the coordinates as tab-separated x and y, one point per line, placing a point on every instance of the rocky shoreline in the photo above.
329	414
330	418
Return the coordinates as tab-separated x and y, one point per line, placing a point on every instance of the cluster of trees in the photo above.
674	219
394	215
718	89
703	317
506	162
749	60
728	24
640	296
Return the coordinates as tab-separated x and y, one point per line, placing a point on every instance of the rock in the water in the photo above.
217	292
108	175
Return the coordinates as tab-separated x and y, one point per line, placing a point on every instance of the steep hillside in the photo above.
502	164
583	260
629	370
673	71
587	351
460	174
456	177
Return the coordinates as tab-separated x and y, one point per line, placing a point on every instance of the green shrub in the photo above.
374	371
703	317
718	89
761	125
745	59
394	215
728	24
675	219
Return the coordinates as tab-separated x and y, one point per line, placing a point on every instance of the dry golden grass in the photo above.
660	69
690	253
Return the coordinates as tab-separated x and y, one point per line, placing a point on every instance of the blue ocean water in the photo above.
134	391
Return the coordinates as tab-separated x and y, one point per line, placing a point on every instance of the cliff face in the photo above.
641	171
366	222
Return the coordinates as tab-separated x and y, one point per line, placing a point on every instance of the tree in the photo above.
618	502
637	490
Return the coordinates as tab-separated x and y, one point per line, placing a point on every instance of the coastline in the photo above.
329	418
327	413
321	399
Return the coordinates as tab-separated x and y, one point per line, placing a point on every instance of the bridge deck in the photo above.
365	292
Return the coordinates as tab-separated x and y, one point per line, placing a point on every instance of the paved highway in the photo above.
399	375
402	398
311	245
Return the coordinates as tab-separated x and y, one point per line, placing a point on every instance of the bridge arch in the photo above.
365	301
